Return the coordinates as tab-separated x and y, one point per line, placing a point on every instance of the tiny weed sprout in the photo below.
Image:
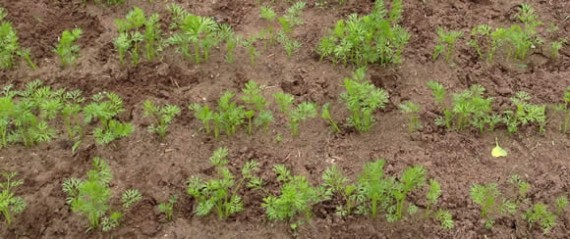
488	197
161	117
131	36
66	49
9	46
326	115
168	207
384	42
10	204
104	109
540	214
362	99
196	35
221	193
91	197
295	199
446	44
412	111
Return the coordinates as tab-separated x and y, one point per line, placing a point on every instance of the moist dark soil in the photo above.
159	169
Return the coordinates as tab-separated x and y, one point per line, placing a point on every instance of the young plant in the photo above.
412	178
433	194
7	109
292	17
104	109
375	188
196	35
362	99
66	49
326	115
335	183
10	204
383	43
231	41
446	43
488	197
269	15
564	108
221	193
555	48
290	45
412	111
540	214
131	36
91	197
249	44
9	45
561	204
161	117
296	198
71	117
257	113
168	207
525	113
295	115
523	187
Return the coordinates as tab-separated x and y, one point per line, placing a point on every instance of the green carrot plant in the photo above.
227	119
221	194
9	46
326	115
295	200
66	48
443	216
412	111
295	115
564	110
10	204
257	113
104	109
447	40
384	43
555	48
540	214
168	207
91	197
525	113
161	117
492	203
290	45
195	36
337	185
131	36
362	99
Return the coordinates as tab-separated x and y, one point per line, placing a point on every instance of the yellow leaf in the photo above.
498	151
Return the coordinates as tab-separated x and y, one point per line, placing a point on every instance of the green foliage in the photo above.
10	204
104	109
446	43
161	117
540	214
221	193
488	197
446	219
296	198
295	115
132	37
66	49
335	183
231	41
561	204
228	117
91	197
362	99
168	207
515	41
249	44
196	35
257	113
525	113
290	45
523	187
326	115
555	48
292	17
412	111
374	38
9	45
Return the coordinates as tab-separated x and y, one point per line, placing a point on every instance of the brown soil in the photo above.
456	159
